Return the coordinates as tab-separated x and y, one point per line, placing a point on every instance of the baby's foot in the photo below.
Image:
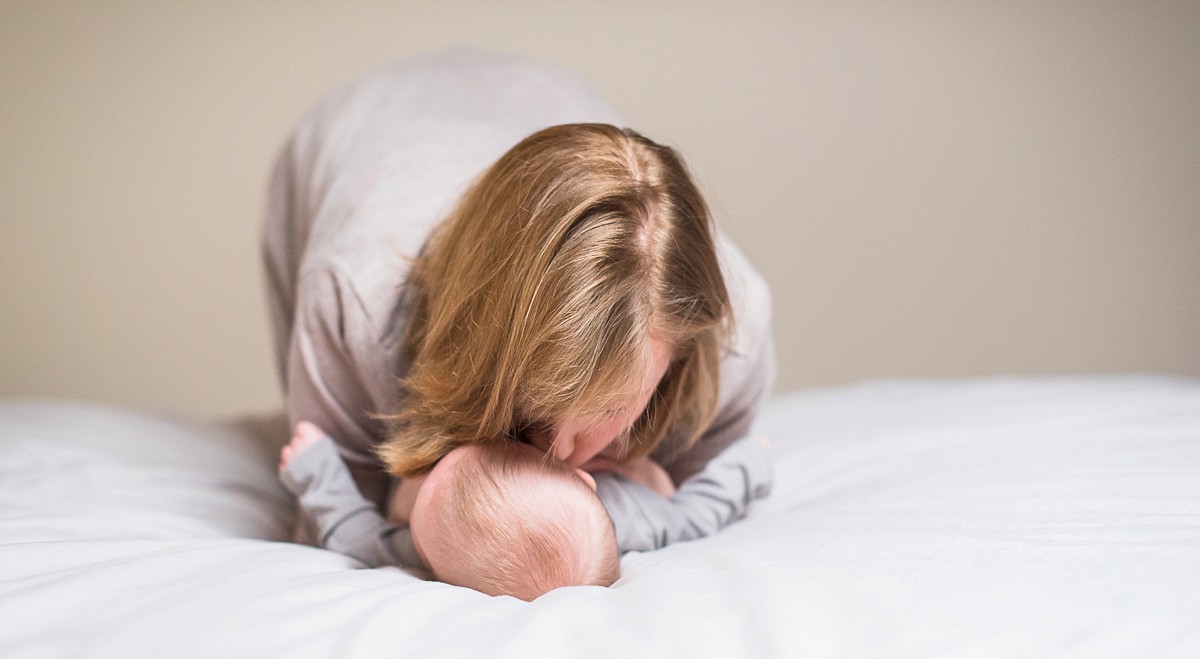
305	436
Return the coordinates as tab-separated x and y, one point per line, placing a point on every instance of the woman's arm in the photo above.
338	375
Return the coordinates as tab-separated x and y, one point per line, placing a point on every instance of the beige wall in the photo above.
931	191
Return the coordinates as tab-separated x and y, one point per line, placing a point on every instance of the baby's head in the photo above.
504	519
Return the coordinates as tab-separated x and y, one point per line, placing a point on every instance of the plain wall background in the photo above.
932	189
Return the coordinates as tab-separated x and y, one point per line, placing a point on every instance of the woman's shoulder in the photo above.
749	294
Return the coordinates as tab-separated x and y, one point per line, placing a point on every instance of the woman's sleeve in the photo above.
336	371
747	368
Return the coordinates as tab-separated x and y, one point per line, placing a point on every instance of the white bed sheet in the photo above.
984	518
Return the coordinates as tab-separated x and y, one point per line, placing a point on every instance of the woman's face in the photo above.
581	442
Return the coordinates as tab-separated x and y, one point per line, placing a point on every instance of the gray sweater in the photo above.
347	523
356	190
343	521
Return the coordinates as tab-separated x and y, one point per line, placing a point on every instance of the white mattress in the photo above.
987	518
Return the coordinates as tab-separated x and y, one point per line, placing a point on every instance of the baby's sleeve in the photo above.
345	522
703	504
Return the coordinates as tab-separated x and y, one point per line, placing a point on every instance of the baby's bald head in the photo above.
505	519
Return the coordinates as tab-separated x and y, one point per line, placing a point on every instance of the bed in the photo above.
1001	517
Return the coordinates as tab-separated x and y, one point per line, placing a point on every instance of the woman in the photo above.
446	269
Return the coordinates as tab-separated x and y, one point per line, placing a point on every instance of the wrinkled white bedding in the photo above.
986	518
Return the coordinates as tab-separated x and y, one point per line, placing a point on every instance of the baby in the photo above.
500	518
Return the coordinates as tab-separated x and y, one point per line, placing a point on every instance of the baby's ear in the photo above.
587	478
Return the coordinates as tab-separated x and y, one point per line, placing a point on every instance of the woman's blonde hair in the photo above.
537	298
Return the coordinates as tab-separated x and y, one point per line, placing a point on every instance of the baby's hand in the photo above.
305	436
648	473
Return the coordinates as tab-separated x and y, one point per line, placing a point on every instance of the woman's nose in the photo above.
564	446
